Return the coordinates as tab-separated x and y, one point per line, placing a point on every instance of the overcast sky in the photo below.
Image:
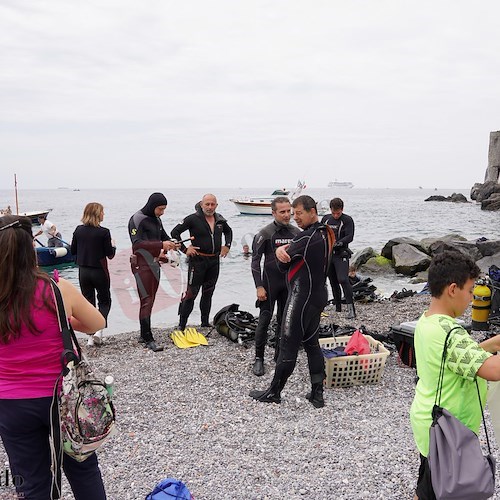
141	93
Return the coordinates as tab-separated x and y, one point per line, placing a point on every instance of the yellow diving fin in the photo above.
179	339
194	336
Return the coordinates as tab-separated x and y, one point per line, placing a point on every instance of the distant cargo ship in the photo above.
340	184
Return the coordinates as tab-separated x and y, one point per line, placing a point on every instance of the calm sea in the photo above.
379	215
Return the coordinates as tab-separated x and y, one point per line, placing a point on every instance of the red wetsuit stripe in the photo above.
294	270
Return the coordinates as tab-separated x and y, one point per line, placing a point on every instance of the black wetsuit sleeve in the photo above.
347	231
228	235
109	249
258	250
178	230
296	251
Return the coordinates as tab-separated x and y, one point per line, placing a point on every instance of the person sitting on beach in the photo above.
54	238
31	346
451	282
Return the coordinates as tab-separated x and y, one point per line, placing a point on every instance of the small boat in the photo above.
34	215
261	205
340	184
53	256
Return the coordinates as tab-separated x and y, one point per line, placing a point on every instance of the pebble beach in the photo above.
186	414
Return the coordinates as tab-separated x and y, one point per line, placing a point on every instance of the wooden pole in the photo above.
17	201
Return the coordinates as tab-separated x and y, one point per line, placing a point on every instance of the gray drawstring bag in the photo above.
459	471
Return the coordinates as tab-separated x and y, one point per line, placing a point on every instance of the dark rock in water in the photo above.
492	203
481	192
361	257
426	243
468	248
387	250
485	263
420	277
408	260
455	198
488	247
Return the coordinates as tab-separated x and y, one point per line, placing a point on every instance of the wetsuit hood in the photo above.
155	200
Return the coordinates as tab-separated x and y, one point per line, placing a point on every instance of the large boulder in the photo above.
377	265
468	248
426	243
387	250
361	257
492	203
408	260
488	247
480	192
485	263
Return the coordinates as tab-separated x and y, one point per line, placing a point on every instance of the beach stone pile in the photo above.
411	257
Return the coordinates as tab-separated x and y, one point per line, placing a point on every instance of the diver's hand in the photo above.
261	293
169	245
224	250
282	255
191	250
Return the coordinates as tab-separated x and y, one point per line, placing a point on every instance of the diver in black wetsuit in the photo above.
149	244
270	282
307	259
206	228
343	226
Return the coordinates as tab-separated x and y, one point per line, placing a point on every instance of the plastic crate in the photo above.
346	371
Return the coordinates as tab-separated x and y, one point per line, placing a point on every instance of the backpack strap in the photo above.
70	342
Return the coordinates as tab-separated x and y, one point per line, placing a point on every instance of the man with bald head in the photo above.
206	228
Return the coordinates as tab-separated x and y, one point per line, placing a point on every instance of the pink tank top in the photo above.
30	365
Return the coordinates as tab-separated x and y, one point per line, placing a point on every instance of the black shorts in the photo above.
424	489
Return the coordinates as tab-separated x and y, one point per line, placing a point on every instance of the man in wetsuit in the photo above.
343	226
270	282
307	259
206	228
149	244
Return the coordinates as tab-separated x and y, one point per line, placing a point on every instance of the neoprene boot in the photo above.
338	307
271	395
351	312
316	395
258	367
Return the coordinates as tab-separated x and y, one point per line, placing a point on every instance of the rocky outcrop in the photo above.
455	198
412	258
408	260
387	250
361	257
492	203
485	192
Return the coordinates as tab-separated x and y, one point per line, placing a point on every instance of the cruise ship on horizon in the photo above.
340	184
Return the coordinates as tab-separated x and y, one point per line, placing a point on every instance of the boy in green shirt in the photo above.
451	282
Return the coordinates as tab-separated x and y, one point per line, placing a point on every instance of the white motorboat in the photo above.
340	184
261	205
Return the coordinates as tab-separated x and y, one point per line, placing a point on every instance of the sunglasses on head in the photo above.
16	223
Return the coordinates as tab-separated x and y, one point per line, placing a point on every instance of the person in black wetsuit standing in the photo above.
206	228
270	282
307	259
149	244
343	226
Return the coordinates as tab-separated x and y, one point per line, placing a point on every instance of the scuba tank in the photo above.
481	304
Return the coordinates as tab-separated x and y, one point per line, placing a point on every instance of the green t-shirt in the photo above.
459	395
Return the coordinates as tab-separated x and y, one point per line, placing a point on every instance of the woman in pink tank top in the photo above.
30	350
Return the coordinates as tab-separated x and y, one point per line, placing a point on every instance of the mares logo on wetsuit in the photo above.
282	241
124	287
133	232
